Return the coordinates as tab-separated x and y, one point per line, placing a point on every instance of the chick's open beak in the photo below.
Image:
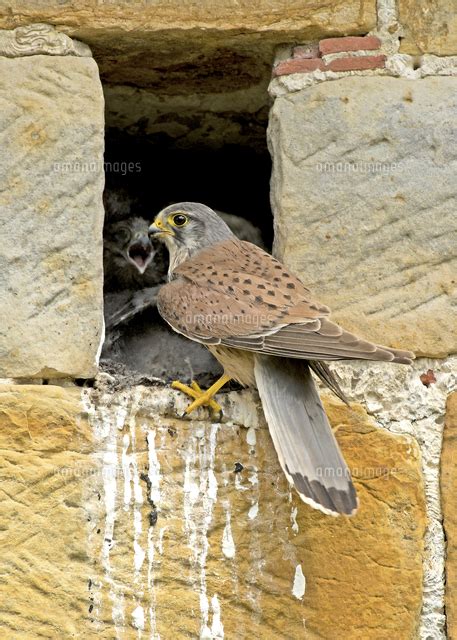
140	252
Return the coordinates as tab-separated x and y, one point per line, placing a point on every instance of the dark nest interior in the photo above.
221	161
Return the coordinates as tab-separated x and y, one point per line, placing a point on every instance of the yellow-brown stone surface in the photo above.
195	51
384	260
430	27
448	493
43	538
281	16
146	525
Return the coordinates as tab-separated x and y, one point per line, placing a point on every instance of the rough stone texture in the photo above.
44	560
363	196
448	493
51	181
35	39
187	69
236	540
430	27
225	549
399	400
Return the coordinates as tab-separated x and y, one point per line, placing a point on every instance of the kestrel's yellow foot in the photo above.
201	398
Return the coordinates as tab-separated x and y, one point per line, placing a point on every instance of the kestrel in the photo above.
263	326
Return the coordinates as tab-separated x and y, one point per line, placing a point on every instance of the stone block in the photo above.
429	27
51	216
119	518
363	193
448	484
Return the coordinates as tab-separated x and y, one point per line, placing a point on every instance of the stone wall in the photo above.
118	518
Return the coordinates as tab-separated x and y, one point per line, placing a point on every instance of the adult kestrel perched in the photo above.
261	323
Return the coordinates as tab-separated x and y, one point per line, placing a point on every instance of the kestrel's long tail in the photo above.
307	449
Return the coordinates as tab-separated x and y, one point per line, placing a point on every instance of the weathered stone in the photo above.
363	195
187	527
51	182
194	71
44	561
149	522
429	27
448	493
228	526
35	39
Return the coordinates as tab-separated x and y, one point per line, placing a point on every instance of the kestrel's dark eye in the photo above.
179	220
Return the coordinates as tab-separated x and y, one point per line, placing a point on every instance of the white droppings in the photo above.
217	628
253	511
105	421
139	555
228	545
154	468
251	437
212	485
138	618
126	471
293	519
239	486
200	495
160	540
299	585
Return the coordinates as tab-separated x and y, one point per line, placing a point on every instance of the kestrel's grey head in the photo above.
186	228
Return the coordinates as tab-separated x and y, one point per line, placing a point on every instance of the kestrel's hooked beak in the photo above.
157	229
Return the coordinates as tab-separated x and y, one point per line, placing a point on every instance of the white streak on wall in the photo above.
217	628
251	437
160	541
200	495
253	511
138	618
152	606
106	421
239	486
154	468
126	471
228	545
293	519
154	495
299	585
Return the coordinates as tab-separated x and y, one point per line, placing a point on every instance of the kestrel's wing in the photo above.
237	295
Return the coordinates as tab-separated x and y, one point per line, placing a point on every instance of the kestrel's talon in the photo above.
201	398
193	393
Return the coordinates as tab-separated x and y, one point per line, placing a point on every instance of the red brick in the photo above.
298	65
350	43
307	52
357	63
